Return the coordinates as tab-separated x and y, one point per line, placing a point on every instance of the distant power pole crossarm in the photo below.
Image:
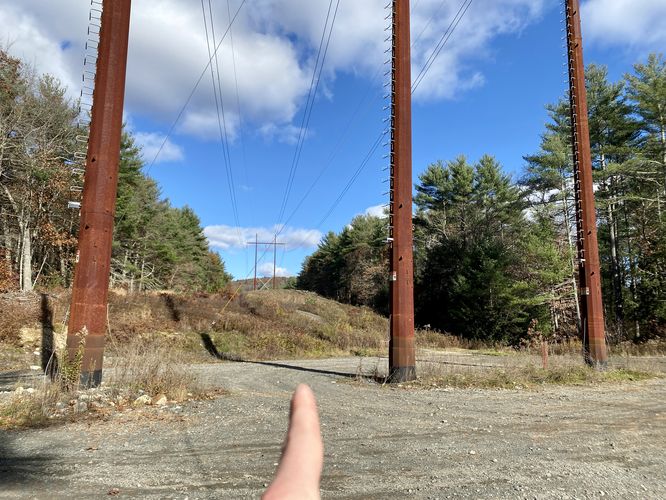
275	243
402	358
591	305
88	314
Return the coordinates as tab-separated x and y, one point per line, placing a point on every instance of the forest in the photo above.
495	257
156	245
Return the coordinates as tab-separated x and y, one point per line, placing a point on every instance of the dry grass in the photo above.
523	369
30	410
293	324
141	367
152	367
527	377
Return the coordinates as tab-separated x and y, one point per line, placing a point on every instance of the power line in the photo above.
336	149
427	25
194	89
314	86
353	178
435	53
440	45
219	108
238	104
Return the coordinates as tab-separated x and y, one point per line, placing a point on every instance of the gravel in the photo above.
381	441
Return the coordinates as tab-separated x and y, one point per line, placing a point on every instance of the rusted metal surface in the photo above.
591	305
401	347
91	281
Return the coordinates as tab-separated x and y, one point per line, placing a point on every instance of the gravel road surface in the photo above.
381	442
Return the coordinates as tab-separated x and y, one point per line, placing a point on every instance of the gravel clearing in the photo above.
381	442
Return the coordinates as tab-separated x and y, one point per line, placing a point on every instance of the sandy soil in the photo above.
381	441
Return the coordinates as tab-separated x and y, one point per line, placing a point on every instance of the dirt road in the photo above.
381	442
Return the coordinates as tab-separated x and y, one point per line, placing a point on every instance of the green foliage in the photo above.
475	249
157	245
351	266
493	257
628	139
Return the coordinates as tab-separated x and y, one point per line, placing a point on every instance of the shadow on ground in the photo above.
18	469
209	345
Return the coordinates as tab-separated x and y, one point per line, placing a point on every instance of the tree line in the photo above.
155	244
495	258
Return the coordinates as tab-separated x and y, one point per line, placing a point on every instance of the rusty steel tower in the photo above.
88	314
591	305
402	358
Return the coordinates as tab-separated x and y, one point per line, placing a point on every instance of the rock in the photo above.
472	452
35	368
30	390
81	407
160	400
142	400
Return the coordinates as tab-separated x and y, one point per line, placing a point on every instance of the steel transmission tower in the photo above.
91	280
591	305
402	358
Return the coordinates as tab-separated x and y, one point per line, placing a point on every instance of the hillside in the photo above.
251	325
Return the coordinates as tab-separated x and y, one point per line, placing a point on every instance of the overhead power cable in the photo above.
344	136
435	53
238	103
429	22
440	45
194	88
312	94
219	108
353	178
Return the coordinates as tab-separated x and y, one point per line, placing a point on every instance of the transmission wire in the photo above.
220	118
307	114
436	51
194	89
440	45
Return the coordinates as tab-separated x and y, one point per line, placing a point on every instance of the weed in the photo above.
526	376
69	368
152	367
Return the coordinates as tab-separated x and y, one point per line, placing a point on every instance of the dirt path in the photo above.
381	442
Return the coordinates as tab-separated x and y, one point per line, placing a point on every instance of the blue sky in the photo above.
485	94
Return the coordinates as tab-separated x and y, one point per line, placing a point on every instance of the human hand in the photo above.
302	460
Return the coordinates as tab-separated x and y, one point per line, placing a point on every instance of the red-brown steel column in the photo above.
91	280
402	359
591	305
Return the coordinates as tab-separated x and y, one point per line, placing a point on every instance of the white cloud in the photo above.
150	146
287	134
229	237
376	211
266	270
275	45
636	23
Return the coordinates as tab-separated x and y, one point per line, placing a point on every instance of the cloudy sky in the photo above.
484	93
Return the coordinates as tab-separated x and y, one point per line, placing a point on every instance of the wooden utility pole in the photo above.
402	358
256	245
88	316
591	305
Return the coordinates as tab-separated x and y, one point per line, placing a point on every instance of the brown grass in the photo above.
22	411
527	377
523	369
152	367
142	366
